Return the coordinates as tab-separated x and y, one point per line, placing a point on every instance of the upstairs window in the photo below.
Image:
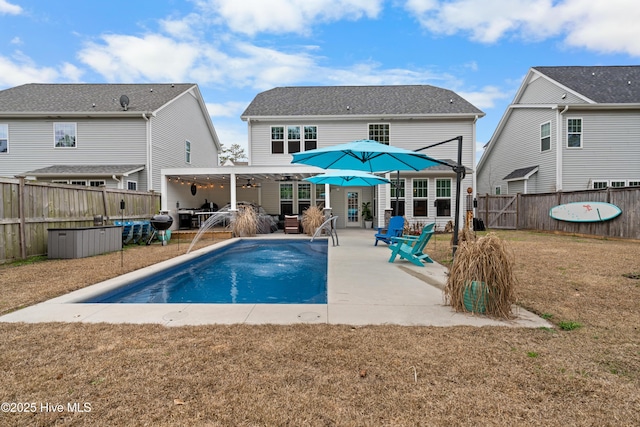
4	138
277	140
379	132
132	185
64	135
545	136
574	133
310	138
187	152
293	139
599	185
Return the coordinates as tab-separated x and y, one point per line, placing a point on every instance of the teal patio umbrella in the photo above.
366	155
347	178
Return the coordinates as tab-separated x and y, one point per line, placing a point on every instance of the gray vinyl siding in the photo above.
174	124
610	149
407	134
31	144
543	91
518	146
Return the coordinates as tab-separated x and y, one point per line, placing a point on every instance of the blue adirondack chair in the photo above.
395	228
127	230
411	248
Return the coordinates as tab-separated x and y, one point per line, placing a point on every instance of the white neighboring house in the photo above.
567	129
113	135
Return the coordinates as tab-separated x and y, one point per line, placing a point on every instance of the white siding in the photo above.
542	91
180	121
518	146
99	141
610	149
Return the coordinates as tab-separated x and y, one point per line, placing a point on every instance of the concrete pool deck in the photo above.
363	289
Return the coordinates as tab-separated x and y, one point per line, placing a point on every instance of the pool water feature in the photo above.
250	271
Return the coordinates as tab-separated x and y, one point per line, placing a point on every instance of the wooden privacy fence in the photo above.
531	212
28	208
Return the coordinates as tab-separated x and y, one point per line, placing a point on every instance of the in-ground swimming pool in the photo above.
245	272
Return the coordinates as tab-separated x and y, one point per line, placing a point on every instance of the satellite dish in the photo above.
124	101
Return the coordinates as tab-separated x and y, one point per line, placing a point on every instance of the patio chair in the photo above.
396	225
127	230
291	224
411	248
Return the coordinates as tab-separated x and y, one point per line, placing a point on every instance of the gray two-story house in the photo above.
287	120
113	135
567	129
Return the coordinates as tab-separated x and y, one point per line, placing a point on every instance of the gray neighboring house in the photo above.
286	120
567	129
113	135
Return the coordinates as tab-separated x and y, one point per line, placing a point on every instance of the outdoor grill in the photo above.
160	224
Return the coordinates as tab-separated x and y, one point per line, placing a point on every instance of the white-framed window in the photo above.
379	132
599	184
320	195
304	196
293	139
574	133
187	151
277	139
617	184
310	138
497	190
443	197
64	135
97	183
132	185
4	138
545	136
286	198
78	182
634	183
397	196
420	197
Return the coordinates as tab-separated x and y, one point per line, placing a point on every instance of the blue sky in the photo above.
234	49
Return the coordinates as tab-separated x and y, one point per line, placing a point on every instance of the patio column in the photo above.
232	189
327	195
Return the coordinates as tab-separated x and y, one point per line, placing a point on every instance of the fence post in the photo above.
22	224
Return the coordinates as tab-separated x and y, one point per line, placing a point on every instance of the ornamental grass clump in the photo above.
312	218
481	279
246	222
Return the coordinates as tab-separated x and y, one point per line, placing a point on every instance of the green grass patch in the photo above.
569	326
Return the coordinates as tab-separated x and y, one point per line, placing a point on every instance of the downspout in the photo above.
118	181
559	146
473	176
149	153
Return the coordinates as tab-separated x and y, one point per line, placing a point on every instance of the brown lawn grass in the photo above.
327	375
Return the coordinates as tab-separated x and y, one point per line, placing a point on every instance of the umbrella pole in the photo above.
395	211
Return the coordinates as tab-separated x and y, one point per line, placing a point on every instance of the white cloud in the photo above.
284	16
228	109
485	98
7	8
608	26
21	70
130	58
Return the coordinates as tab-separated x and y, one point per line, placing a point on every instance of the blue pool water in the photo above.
248	271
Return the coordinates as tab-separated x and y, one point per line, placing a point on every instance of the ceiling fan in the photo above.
249	184
288	178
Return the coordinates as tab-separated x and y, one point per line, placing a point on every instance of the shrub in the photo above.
246	222
312	218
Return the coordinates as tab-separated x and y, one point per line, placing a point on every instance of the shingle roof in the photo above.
358	100
602	84
68	98
85	170
520	173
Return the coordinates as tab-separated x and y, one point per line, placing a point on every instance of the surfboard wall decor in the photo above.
585	212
